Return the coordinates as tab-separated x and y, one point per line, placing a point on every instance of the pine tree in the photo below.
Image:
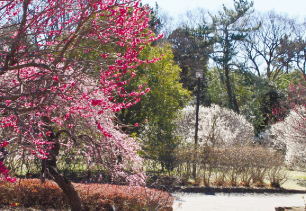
230	29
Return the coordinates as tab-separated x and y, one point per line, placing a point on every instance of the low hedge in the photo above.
31	193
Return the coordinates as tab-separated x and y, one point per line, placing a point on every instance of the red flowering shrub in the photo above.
31	193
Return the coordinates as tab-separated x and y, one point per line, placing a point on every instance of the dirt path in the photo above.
235	202
243	202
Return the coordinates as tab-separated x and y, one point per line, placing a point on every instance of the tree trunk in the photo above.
236	107
49	166
68	189
231	96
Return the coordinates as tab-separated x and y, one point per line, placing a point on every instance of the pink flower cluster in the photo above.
4	144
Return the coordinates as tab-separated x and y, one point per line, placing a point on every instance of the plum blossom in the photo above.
217	126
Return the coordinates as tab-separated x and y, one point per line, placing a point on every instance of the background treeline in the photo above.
249	59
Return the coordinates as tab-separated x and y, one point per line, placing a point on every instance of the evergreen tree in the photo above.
191	48
229	30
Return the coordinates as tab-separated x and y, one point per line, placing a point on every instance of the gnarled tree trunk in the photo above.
49	167
68	189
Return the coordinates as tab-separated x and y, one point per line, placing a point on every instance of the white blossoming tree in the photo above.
289	136
289	133
217	126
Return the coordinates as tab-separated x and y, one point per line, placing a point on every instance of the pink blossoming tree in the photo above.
62	63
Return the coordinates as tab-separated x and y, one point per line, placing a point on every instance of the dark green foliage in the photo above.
191	48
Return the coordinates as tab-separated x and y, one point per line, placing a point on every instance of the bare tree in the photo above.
267	50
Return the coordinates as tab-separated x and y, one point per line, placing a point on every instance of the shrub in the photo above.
163	182
31	193
101	196
235	165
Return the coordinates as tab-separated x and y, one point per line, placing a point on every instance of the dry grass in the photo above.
295	177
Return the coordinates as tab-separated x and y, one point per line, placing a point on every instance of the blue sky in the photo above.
293	8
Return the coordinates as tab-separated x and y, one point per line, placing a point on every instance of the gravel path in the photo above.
235	202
